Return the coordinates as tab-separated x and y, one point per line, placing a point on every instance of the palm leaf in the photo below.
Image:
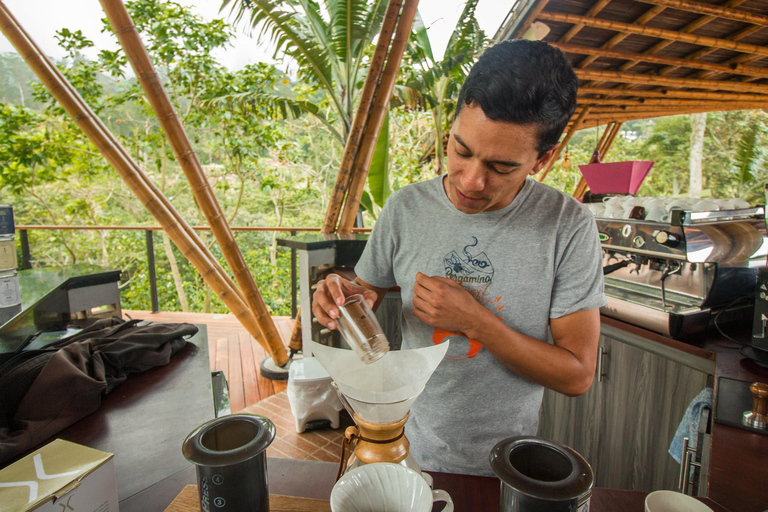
419	46
290	33
747	154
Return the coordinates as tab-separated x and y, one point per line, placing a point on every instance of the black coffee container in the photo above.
231	458
760	322
541	476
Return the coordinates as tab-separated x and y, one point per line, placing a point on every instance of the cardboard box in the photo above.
60	477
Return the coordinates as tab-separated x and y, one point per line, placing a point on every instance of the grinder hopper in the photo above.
378	396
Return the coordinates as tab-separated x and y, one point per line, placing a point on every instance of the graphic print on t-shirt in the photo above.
474	272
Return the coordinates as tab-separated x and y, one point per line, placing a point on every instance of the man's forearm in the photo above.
552	366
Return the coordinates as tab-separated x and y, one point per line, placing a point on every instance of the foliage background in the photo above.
270	146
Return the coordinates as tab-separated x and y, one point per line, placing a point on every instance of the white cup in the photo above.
613	211
656	214
740	203
385	486
704	205
671	501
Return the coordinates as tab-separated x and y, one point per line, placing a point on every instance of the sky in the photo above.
41	18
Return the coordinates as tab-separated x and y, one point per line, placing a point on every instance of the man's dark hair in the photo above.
523	82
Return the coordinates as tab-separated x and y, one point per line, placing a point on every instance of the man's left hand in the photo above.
442	303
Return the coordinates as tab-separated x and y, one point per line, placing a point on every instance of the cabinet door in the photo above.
644	398
573	421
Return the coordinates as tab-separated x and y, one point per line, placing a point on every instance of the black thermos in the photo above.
231	459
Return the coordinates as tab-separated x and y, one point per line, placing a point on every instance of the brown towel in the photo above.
55	387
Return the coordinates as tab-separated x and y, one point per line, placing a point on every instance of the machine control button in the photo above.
638	242
666	238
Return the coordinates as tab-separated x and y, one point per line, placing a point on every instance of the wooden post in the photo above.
116	155
574	126
376	118
153	89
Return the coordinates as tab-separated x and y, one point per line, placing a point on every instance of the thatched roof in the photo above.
653	58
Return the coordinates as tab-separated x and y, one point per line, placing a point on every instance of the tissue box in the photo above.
60	476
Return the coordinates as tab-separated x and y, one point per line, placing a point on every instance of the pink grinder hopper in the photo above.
616	177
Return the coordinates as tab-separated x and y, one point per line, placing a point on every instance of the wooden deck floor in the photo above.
238	355
233	351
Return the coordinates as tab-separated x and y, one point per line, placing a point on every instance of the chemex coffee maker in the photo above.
670	274
378	396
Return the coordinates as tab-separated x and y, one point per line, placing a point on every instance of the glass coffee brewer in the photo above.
378	396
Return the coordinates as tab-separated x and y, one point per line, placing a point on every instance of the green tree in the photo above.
434	85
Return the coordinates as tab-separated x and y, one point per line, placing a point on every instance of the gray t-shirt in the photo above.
537	258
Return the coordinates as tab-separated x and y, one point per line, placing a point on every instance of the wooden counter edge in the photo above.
188	501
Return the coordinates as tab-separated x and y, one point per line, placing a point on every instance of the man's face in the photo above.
488	160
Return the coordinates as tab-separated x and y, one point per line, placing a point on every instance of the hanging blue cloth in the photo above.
689	425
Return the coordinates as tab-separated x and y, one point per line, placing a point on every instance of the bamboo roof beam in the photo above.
593	11
615	40
672	93
661	33
605	117
641	57
632	78
360	120
574	127
128	169
651	108
735	61
712	10
668	103
377	115
174	131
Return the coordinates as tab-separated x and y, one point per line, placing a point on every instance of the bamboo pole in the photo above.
153	89
378	112
670	93
712	10
360	121
616	76
642	57
112	151
575	125
654	32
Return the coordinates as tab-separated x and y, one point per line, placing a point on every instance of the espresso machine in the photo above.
671	277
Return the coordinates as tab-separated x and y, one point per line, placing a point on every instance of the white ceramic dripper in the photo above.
378	396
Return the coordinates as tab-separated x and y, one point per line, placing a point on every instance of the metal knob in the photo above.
666	238
757	418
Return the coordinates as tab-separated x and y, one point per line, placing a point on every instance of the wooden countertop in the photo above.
737	471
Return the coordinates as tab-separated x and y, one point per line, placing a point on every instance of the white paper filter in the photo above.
398	376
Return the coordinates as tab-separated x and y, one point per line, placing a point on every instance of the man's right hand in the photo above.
333	292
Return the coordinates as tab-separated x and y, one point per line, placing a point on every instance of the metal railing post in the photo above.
152	273
26	257
293	280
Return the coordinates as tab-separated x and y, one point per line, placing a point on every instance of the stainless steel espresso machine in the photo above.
671	277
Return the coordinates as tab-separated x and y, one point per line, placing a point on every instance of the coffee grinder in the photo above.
378	396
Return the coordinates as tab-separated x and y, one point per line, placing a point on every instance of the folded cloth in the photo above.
66	382
689	425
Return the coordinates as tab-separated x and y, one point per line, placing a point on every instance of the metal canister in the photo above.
10	295
541	476
7	226
231	458
7	252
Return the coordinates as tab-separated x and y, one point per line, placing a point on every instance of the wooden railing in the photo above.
26	255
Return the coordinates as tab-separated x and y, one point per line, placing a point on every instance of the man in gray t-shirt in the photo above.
492	261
